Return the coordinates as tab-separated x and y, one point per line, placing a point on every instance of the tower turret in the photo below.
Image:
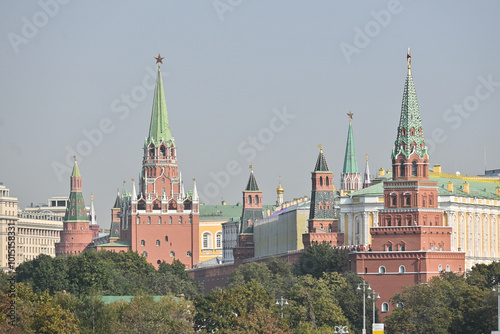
279	194
366	177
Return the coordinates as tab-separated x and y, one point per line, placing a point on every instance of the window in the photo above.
394	200
166	238
321	180
149	220
180	220
256	199
249	199
159	220
385	307
402	248
144	254
172	254
163	150
157	242
143	243
447	267
402	269
402	168
400	305
388	248
189	254
414	168
190	220
170	220
408	200
440	268
327	181
218	240
381	270
207	240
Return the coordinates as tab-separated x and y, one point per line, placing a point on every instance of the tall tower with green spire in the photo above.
76	234
410	159
161	220
351	178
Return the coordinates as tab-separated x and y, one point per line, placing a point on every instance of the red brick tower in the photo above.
252	212
161	222
322	224
76	234
411	243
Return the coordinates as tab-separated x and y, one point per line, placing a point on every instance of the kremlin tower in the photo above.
76	234
411	244
322	224
161	220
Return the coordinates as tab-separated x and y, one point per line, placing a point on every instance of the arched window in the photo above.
207	240
327	181
172	254
402	269
447	267
149	220
138	220
144	254
190	220
180	220
402	168
159	220
163	150
400	305
381	270
256	199
394	200
143	242
440	268
249	199
218	240
152	152
157	242
321	180
385	307
414	168
170	220
166	238
189	254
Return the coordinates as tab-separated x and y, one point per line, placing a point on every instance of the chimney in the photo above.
450	186
466	188
437	169
381	172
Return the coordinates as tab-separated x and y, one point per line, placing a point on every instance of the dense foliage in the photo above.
64	295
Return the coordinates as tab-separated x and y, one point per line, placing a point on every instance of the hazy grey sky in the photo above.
246	82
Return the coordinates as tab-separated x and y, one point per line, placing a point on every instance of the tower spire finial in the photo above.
159	59
408	58
350	114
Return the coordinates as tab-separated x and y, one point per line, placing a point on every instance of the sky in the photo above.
246	82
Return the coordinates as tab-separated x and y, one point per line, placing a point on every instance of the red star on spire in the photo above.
159	59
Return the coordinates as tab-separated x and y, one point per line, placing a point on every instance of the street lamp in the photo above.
282	301
375	298
341	330
497	290
366	287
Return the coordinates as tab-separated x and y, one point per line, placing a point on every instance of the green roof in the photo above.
159	129
350	161
410	131
118	243
76	171
321	165
477	189
225	212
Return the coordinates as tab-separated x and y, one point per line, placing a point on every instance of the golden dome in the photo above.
280	190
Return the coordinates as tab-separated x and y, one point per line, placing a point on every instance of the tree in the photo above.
319	259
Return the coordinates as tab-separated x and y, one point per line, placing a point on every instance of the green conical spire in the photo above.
76	171
350	161
252	182
76	211
159	129
410	133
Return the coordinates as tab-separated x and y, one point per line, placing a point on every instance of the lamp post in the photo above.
282	301
365	286
375	296
497	290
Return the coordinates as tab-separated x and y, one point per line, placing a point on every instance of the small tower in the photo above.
76	234
322	223
93	219
114	231
252	212
351	178
279	194
366	177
